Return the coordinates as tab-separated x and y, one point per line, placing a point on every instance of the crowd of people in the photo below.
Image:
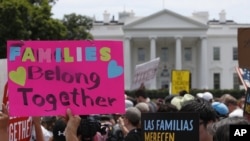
216	114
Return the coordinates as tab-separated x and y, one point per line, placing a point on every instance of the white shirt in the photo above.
236	113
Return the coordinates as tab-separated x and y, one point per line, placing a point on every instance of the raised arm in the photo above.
72	125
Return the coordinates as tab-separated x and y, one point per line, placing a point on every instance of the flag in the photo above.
244	75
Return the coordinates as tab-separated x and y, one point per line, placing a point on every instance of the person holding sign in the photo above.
4	120
21	128
72	125
132	120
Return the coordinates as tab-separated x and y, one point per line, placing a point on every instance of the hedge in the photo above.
154	94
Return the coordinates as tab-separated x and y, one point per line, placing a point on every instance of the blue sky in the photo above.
237	10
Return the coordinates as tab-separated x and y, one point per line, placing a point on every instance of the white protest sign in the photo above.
145	73
3	77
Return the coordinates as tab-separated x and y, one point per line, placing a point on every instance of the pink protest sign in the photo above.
47	77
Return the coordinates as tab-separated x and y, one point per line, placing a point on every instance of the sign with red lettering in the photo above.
145	73
20	128
46	77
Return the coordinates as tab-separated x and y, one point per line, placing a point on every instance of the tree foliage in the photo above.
78	26
38	2
32	20
24	20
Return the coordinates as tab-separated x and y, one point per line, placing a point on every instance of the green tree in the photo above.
38	2
78	26
43	26
23	20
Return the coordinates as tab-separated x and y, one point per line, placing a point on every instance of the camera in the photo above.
88	128
90	125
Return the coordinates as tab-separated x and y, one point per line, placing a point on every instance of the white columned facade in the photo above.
178	58
153	56
127	63
203	64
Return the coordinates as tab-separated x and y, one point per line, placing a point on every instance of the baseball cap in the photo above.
177	101
206	95
220	108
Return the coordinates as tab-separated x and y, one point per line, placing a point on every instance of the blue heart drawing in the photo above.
114	70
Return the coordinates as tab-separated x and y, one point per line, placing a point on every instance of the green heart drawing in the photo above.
18	76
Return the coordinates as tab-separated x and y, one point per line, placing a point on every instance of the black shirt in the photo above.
134	135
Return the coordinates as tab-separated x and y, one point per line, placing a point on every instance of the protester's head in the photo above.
167	107
206	95
143	107
141	95
168	98
241	102
207	115
221	129
128	103
58	130
230	101
48	122
132	117
178	101
182	92
221	109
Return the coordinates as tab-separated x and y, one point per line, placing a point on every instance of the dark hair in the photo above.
48	122
183	92
203	107
167	107
221	129
141	92
169	98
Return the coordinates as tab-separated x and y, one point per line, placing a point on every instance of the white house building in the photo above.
207	48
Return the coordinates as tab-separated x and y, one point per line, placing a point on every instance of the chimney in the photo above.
106	19
222	15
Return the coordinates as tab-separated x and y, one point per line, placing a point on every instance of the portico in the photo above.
153	46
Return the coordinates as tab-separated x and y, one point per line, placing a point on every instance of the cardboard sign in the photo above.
247	105
244	47
145	73
170	126
47	77
180	81
3	76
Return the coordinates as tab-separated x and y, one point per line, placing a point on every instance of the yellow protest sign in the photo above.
180	80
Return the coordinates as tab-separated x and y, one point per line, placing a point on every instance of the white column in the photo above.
152	47
127	63
153	56
203	64
178	62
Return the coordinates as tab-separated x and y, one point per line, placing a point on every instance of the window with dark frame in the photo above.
216	53
235	53
164	54
188	54
216	80
236	82
141	54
